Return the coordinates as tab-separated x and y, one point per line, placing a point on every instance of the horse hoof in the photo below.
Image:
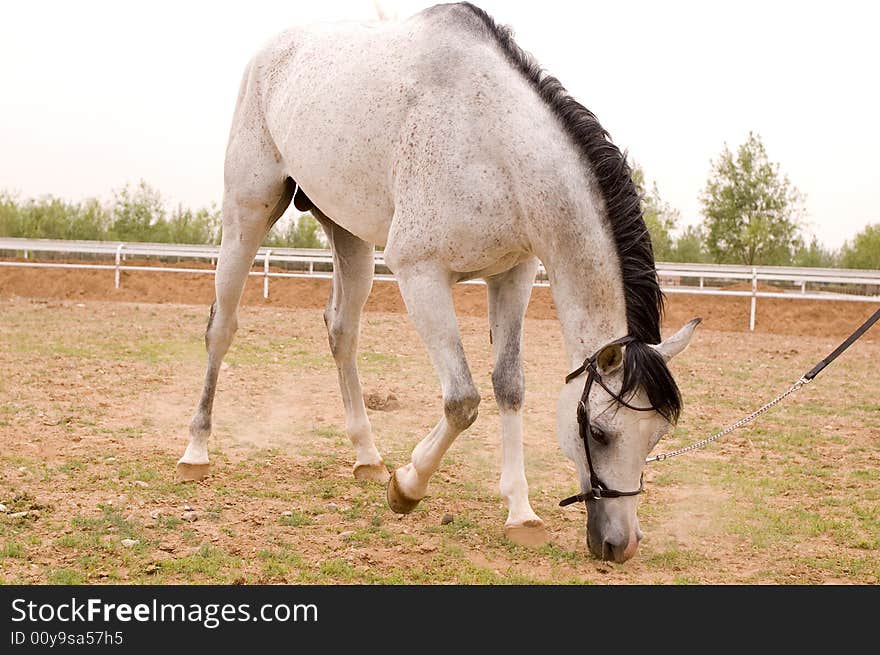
371	473
397	501
530	533
192	472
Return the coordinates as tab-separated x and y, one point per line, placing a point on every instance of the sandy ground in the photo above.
95	396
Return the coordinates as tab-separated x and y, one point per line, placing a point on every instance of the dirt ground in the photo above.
97	387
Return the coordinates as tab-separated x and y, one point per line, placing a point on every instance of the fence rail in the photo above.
703	279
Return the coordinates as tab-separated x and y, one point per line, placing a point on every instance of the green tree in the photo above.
690	246
46	217
816	255
301	232
188	226
864	251
660	217
51	218
135	214
751	211
9	215
89	221
138	214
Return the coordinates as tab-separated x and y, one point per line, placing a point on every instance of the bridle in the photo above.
598	489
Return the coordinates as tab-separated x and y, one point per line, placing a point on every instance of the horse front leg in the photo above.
427	292
508	299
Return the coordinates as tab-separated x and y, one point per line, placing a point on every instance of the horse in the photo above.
440	139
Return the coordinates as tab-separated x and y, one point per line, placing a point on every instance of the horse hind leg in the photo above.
352	280
257	192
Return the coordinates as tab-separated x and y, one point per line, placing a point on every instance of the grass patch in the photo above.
12	549
137	471
375	362
295	520
275	352
278	563
338	570
104	531
79	541
24	502
208	562
67	577
72	468
676	559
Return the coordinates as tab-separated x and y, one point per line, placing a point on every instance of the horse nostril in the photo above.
608	551
612	549
613	552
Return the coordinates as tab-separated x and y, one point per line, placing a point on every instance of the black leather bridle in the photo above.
598	489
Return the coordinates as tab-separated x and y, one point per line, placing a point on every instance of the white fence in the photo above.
706	279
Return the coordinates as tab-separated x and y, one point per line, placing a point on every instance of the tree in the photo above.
199	226
308	233
138	215
690	246
135	214
10	215
660	217
751	211
301	232
864	251
49	217
815	255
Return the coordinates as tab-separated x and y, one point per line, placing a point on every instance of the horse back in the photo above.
426	112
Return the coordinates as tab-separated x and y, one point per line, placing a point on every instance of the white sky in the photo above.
95	94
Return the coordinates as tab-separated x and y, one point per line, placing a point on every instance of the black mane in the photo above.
644	299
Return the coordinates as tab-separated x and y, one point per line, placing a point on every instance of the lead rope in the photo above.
736	426
805	379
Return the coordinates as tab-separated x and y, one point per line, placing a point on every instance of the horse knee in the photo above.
509	385
461	410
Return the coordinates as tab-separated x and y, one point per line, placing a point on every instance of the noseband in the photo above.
598	489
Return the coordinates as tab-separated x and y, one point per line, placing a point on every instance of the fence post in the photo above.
701	281
754	298
118	259
266	275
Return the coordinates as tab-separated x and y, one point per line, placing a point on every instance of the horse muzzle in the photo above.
612	544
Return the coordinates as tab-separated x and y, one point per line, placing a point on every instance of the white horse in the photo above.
440	139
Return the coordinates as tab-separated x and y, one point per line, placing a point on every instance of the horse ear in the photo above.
678	341
609	359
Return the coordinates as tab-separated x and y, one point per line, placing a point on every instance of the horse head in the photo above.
612	412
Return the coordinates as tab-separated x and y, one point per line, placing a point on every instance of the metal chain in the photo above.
751	417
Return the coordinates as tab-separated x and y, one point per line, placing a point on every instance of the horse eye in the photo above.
599	435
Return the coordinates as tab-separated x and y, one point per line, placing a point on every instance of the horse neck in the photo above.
581	259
